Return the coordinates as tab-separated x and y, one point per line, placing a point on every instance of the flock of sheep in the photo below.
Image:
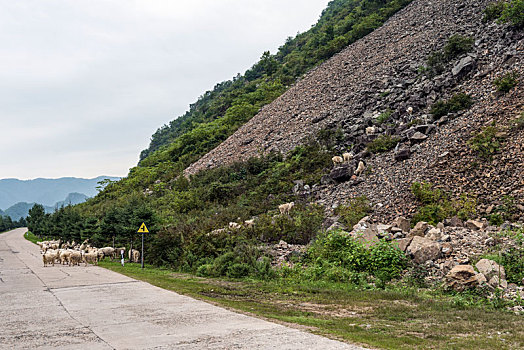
346	158
74	254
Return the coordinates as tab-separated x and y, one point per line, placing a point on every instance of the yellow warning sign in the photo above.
143	228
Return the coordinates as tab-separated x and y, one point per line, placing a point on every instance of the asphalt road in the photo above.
79	307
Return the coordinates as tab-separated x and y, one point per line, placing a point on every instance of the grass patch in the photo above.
383	143
506	82
437	205
487	142
31	237
456	103
394	318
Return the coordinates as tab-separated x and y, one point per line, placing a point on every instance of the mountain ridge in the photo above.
46	191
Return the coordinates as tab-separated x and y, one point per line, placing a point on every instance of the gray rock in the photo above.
419	229
423	249
341	173
464	66
402	223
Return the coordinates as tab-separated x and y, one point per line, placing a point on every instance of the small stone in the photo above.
445	238
474	225
419	229
402	223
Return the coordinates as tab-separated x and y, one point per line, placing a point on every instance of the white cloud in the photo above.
84	84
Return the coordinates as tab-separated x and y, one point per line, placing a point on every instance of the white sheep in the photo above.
48	258
249	223
90	258
134	255
410	110
286	207
347	157
337	160
106	251
117	251
64	256
235	226
360	168
75	258
370	130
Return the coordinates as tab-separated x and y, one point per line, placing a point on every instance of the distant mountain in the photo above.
21	209
46	191
72	199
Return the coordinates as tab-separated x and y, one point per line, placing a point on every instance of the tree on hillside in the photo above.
36	220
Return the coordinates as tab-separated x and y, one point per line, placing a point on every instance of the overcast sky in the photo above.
85	83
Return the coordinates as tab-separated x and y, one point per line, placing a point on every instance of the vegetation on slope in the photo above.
218	113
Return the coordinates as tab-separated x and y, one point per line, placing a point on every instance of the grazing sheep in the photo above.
235	226
337	160
91	258
370	130
286	207
410	110
106	251
134	255
48	258
347	157
64	256
75	258
117	254
360	168
249	223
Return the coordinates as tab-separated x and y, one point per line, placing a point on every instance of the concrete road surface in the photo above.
79	307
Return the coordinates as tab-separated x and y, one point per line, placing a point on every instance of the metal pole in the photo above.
142	255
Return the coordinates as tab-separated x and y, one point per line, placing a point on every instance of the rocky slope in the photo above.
381	72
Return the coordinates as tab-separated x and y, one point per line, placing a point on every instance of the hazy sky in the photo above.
85	83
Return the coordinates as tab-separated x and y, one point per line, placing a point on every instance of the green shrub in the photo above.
239	270
513	13
351	213
493	11
205	270
438	206
337	256
487	142
506	82
383	117
511	258
455	46
383	143
457	102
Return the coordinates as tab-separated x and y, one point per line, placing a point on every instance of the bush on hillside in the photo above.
455	46
487	142
457	102
382	144
438	206
351	212
506	82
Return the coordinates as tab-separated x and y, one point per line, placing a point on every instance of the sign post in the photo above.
143	230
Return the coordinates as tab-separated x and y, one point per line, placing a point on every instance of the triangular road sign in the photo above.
143	228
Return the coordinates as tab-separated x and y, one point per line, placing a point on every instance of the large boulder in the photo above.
463	277
495	273
341	173
402	223
422	249
463	66
419	229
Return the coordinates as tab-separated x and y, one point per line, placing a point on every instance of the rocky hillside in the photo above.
388	72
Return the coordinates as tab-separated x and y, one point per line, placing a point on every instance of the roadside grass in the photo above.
394	318
31	237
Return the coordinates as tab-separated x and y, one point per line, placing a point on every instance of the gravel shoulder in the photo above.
79	307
